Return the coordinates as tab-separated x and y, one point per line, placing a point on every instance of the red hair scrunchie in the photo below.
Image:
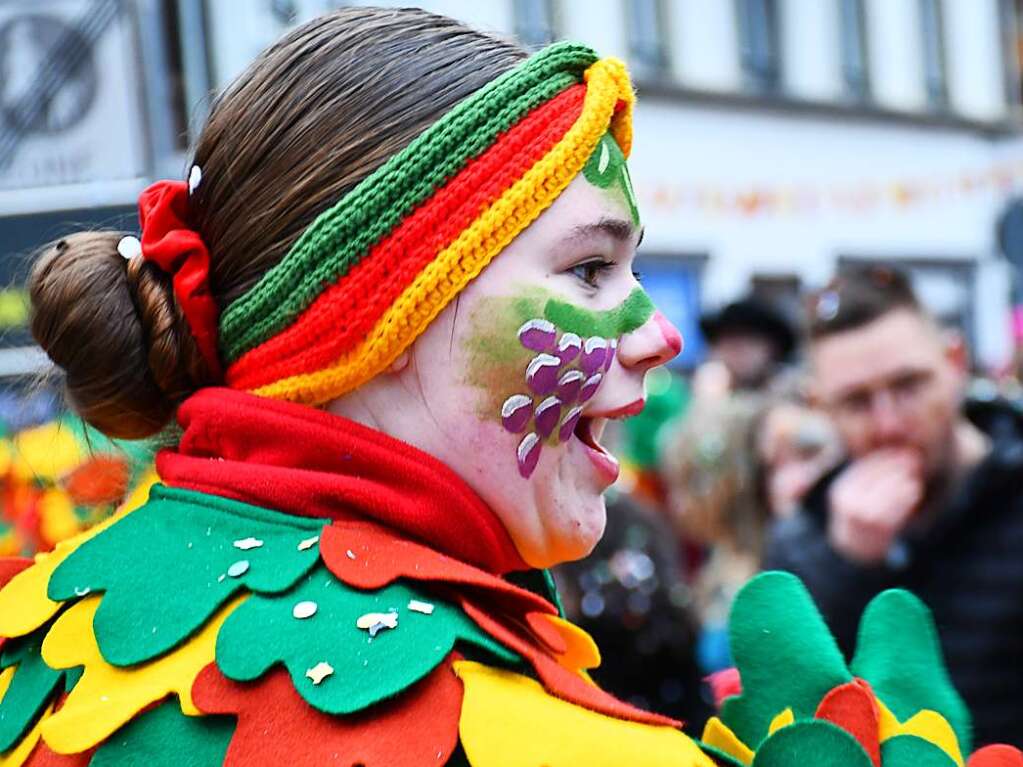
179	251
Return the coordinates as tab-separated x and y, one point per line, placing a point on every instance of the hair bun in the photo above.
112	325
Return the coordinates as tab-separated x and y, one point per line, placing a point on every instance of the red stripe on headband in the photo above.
345	312
179	251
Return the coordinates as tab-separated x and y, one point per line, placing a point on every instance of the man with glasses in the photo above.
926	500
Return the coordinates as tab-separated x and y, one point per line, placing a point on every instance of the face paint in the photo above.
607	169
540	359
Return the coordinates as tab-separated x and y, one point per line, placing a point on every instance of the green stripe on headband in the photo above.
342	235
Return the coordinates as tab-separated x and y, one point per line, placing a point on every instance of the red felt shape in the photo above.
299	460
170	243
276	726
556	679
43	756
724	684
379	557
853	707
996	756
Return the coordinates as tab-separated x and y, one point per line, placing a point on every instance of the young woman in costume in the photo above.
390	310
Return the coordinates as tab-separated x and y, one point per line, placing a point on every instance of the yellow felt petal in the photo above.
717	734
24	606
18	755
508	720
108	696
57	520
784	719
5	679
926	725
581	652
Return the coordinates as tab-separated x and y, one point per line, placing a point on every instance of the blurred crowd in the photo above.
853	446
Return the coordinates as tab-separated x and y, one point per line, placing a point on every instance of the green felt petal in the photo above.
31	687
811	744
165	568
164	737
910	751
785	654
897	651
263	631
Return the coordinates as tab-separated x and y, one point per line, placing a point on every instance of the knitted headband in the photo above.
371	273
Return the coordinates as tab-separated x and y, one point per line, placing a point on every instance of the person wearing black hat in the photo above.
751	339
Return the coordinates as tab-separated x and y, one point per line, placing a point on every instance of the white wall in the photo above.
973	52
598	23
811	49
704	45
896	54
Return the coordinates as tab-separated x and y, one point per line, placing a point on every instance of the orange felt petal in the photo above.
852	707
276	726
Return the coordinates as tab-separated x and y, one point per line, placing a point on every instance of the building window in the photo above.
534	22
759	43
855	61
646	23
934	53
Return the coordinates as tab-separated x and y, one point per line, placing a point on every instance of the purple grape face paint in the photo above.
536	375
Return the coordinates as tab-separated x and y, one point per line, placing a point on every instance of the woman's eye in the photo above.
591	271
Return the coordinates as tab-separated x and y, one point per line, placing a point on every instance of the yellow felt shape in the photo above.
106	697
926	725
508	720
24	605
18	755
5	680
717	735
783	719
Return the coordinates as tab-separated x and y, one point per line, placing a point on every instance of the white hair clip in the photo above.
827	306
129	247
194	179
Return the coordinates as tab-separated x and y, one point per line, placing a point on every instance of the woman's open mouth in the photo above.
589	431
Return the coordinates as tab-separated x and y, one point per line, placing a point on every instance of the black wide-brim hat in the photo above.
751	316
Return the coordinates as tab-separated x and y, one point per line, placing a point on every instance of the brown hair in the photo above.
857	297
314	115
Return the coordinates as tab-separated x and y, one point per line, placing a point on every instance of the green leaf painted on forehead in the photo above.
607	169
629	315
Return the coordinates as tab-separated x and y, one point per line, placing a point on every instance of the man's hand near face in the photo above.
871	502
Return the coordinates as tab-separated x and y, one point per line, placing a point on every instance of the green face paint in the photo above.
606	169
537	373
631	314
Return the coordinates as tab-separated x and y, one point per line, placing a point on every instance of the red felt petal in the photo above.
43	756
853	707
724	684
379	557
276	726
558	680
996	756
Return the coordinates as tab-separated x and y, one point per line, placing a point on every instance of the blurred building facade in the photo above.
778	139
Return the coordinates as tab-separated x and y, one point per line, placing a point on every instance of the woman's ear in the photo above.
400	363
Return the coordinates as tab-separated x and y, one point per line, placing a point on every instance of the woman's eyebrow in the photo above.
616	228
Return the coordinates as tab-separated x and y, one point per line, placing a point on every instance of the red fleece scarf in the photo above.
297	460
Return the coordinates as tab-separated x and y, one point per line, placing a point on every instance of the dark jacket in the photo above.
967	567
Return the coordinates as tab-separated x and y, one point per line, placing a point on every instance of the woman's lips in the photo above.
605	463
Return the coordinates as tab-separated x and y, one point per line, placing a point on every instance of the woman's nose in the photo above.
654	343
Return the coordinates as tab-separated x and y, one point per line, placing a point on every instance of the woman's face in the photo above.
512	384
